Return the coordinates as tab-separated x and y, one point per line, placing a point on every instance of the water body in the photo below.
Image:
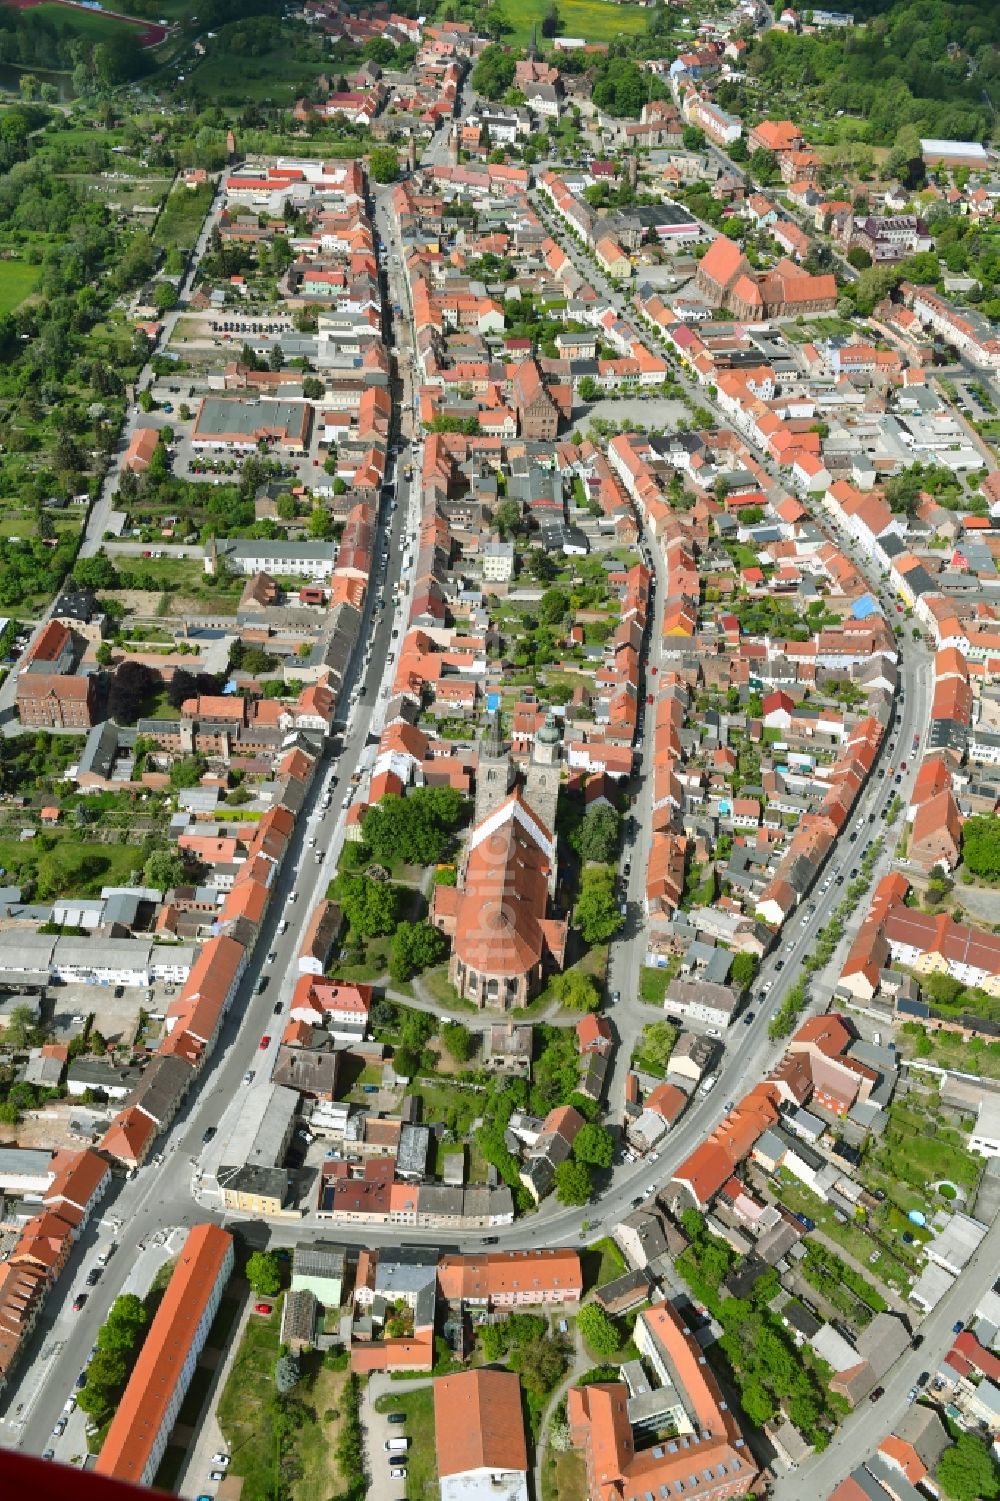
10	80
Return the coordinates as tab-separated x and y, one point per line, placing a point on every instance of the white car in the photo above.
220	1459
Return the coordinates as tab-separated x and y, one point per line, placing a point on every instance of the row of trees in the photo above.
118	1343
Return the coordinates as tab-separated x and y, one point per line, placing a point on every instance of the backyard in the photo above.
246	1416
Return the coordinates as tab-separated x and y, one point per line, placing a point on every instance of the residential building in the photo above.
479	1437
162	1373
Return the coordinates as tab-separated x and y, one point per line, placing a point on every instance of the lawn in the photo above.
564	1476
594	20
435	981
602	1262
421	1483
17	279
457	1108
113	864
653	983
90	25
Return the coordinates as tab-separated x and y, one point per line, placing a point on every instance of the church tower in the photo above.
494	770
541	787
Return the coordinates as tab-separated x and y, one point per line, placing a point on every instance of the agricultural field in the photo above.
91	26
17	281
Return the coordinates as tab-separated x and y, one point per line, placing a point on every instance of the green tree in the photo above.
595	837
494	72
108	1368
383	164
104	655
553	606
264	1273
967	1471
600	1333
187	771
596	913
458	1040
20	1031
756	1403
595	1145
656	1044
507	517
576	991
573	1182
415	946
743	969
417	828
287	1372
981	845
163	869
540	1364
371	907
165	296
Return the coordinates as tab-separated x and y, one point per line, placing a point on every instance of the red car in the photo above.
902	765
649	698
262	1308
653	671
265	1041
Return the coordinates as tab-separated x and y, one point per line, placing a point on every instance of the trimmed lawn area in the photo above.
90	25
653	983
602	1262
437	985
594	20
421	1480
17	279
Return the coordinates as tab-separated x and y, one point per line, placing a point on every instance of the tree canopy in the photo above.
596	913
417	828
264	1273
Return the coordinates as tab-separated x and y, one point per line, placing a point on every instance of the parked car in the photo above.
750	1015
397	1417
220	1459
875	1395
265	1042
207	1134
262	1308
80	1302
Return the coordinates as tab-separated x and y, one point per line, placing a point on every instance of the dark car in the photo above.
207	1134
877	1393
491	1240
916	1341
780	964
79	1302
94	1276
748	1018
397	1417
922	1379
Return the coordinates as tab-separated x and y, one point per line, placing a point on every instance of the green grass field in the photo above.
17	279
277	77
594	20
90	25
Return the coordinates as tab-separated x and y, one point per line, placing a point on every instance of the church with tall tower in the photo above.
496	774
